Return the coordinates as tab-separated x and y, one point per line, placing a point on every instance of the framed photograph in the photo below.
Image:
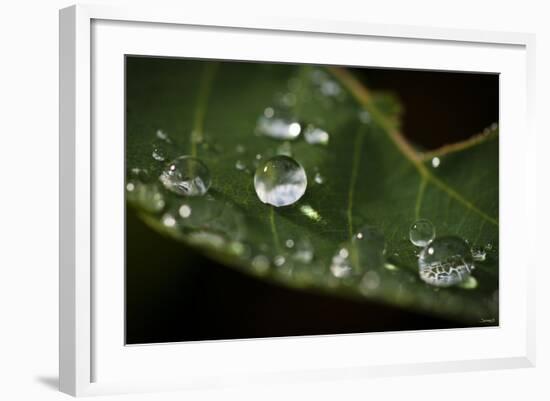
259	200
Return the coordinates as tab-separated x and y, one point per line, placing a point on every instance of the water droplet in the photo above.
370	282
269	112
239	165
340	266
163	136
184	211
390	266
364	116
478	254
318	178
280	181
422	232
314	135
158	153
446	261
469	283
207	238
168	220
260	263
303	251
278	127
187	176
240	149
436	162
310	213
289	243
279	260
147	196
489	247
330	88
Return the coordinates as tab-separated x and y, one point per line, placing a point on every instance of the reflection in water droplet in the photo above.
421	232
436	162
478	254
318	178
446	261
314	135
280	181
278	127
187	176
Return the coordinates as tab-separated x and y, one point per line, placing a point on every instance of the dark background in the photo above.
438	108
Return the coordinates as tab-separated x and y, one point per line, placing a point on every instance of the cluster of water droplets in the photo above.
444	261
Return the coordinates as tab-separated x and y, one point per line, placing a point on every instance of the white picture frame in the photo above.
93	357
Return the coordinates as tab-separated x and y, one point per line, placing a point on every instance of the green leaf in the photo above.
370	176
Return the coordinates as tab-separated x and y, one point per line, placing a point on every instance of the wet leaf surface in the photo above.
370	176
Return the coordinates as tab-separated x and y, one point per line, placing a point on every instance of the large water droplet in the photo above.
187	176
422	232
314	135
278	127
280	181
446	261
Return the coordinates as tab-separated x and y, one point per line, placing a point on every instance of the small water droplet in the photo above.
318	178
303	251
370	282
168	220
240	149
279	260
204	237
187	176
340	266
269	112
446	261
289	243
478	254
260	263
239	165
163	136
436	162
489	247
278	127
390	266
280	181
330	88
469	283
184	211
364	116
421	232
310	213
314	135
158	153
